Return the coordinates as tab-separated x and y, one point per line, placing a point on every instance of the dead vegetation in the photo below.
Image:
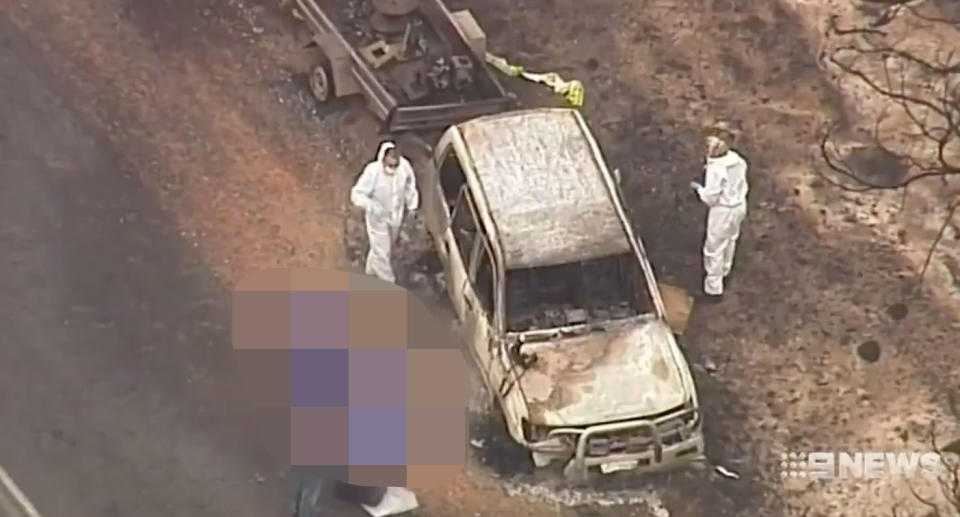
915	140
916	136
946	487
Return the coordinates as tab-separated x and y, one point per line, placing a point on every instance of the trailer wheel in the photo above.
320	83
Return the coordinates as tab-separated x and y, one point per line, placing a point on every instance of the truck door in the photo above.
435	213
456	246
479	299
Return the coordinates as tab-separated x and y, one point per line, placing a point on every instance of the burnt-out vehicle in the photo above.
555	295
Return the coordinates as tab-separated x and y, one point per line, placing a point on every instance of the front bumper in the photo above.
658	444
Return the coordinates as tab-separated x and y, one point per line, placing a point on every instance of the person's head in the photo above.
389	157
391	160
716	147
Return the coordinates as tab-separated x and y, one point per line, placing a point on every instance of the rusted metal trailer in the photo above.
419	66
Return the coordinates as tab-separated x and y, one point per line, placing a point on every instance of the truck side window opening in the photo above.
606	288
452	177
483	283
463	226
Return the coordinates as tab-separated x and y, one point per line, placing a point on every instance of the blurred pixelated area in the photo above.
351	378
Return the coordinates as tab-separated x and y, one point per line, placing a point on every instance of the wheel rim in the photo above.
320	84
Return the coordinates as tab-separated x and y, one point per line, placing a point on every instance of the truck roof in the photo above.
543	179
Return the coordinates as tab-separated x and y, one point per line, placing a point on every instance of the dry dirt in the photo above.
207	102
808	289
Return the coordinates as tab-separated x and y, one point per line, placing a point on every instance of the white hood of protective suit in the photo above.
382	152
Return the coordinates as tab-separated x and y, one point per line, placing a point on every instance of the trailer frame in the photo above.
343	72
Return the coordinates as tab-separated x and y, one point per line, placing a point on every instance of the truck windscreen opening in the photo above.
603	289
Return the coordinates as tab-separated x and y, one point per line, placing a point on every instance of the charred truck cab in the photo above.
557	299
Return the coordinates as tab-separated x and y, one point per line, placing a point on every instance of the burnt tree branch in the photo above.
922	95
936	241
925	88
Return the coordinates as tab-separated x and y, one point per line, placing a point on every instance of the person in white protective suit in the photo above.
386	191
725	193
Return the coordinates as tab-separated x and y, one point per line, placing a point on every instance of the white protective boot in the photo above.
397	500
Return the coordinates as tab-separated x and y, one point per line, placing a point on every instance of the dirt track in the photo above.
112	330
200	112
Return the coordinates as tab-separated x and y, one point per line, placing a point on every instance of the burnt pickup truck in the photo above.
555	294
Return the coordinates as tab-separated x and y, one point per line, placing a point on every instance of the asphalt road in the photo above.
116	391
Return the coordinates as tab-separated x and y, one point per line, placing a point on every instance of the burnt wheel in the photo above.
321	84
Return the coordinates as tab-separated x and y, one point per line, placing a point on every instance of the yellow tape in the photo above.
573	91
501	64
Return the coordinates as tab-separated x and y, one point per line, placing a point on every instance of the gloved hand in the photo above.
375	210
695	186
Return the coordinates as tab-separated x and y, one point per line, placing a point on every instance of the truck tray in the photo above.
418	72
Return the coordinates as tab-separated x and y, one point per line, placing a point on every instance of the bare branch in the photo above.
950	487
922	499
936	241
862	184
915	11
926	89
832	27
840	167
876	87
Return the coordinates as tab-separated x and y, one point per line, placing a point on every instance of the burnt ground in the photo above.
806	292
116	385
203	105
105	334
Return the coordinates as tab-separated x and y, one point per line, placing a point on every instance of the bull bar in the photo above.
689	448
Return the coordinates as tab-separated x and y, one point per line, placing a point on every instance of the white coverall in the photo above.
384	197
725	192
